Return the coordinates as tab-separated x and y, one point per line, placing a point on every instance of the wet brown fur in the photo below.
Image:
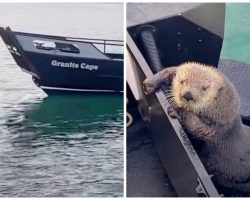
212	117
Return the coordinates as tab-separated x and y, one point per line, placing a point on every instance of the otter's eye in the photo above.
204	88
182	81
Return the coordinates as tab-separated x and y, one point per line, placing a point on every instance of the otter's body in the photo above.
208	108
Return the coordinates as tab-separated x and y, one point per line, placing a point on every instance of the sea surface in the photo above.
64	146
236	44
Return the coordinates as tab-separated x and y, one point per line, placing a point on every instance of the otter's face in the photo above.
194	87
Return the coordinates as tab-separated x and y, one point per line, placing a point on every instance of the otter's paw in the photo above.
153	83
173	113
148	87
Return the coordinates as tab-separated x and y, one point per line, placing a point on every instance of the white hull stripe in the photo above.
76	90
29	72
117	59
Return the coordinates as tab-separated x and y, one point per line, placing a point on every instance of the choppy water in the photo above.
62	145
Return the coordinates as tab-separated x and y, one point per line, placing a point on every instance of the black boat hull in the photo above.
64	71
77	78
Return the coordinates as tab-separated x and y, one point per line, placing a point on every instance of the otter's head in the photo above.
195	86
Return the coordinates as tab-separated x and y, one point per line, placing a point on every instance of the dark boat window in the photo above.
59	46
64	47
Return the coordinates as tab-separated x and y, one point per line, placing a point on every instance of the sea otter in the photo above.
207	105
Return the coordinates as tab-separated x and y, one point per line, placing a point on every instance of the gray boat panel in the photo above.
138	13
210	15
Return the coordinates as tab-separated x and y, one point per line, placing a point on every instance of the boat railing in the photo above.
106	46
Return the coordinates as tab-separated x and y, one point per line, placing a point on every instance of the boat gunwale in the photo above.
76	39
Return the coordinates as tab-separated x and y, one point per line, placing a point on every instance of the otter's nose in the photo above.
188	96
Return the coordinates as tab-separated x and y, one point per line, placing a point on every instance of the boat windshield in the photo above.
108	47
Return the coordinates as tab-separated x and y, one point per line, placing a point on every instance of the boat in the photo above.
168	35
65	64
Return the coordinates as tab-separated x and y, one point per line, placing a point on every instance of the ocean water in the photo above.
236	44
65	146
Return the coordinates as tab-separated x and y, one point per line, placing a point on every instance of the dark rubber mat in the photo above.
146	176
